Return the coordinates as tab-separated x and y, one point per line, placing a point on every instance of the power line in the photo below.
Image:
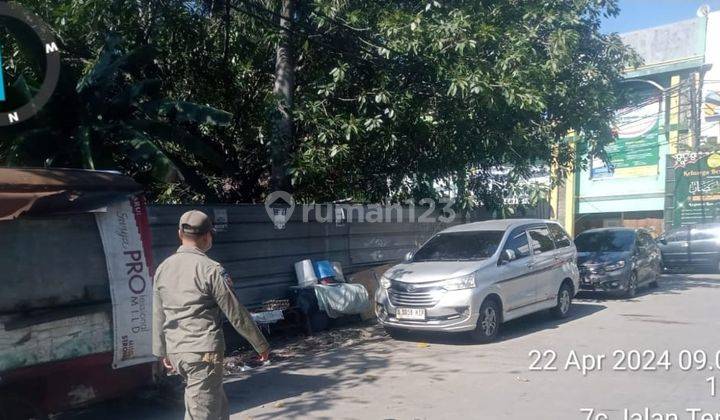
648	116
307	33
354	31
628	111
656	97
652	97
679	140
343	52
309	37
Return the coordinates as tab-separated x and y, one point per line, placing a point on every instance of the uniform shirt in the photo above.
189	292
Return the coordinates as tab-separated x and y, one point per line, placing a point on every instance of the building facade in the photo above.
670	122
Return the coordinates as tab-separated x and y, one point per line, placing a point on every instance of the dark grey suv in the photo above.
695	246
617	260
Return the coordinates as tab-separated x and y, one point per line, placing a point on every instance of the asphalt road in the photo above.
445	377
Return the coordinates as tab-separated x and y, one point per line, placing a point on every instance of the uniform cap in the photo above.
195	222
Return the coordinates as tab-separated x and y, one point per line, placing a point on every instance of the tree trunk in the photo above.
282	138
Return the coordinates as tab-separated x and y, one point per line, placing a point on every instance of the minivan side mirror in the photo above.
507	256
662	240
409	256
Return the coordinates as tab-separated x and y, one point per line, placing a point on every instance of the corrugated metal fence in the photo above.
260	258
40	266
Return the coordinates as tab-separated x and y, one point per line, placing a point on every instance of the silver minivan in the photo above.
475	276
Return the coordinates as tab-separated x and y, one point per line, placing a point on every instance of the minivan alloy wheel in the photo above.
565	301
489	321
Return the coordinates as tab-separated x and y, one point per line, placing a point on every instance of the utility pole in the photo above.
696	88
282	136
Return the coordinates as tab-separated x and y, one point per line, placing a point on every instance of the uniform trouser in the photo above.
204	394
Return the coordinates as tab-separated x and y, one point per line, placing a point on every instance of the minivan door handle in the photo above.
529	264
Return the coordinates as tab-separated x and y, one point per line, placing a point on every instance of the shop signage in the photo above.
697	188
635	151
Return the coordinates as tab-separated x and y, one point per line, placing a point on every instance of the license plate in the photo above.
410	313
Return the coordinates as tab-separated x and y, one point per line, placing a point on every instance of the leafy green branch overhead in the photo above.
389	98
123	120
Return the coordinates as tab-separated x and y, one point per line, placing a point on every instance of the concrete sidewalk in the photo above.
446	377
441	377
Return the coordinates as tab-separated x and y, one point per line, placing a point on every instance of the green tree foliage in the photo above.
121	119
465	87
390	97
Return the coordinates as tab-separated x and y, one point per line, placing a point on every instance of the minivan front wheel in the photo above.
564	301
488	323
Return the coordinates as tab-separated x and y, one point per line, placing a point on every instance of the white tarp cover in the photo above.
125	235
342	299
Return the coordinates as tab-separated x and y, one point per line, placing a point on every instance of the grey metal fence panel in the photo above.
260	259
670	185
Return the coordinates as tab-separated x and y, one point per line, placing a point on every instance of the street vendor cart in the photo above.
69	334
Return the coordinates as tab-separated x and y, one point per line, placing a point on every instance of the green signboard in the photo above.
697	188
635	151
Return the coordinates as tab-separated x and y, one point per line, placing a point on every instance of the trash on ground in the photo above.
267	317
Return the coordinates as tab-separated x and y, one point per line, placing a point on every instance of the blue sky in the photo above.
640	14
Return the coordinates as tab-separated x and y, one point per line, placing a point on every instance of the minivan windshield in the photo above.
457	246
605	241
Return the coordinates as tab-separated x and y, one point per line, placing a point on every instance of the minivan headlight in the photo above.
385	282
614	266
459	283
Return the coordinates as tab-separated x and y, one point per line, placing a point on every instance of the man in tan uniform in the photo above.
190	291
